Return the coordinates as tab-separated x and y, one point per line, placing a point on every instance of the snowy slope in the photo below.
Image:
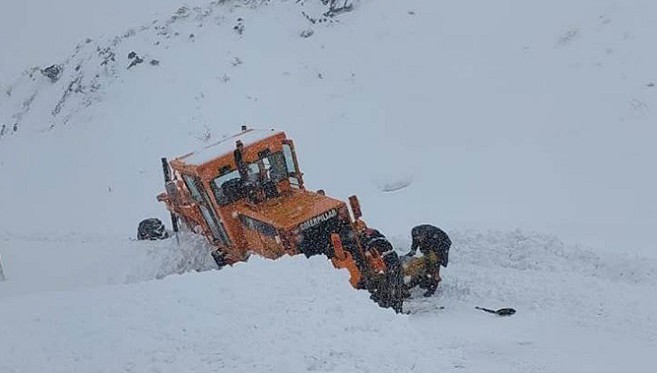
536	116
487	115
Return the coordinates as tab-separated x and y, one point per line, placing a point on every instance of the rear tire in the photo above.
388	289
152	229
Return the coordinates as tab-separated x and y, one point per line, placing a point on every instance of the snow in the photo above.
212	321
577	310
500	128
499	119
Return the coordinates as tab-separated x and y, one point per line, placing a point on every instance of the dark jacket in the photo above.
428	238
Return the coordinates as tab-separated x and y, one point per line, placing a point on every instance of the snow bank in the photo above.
575	308
290	315
67	262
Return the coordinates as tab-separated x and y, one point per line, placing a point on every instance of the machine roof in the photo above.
227	145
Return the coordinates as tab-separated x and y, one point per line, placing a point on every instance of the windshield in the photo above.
228	187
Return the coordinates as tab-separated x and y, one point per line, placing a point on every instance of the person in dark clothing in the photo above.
434	245
428	239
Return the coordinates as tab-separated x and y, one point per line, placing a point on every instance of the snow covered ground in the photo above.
471	115
577	312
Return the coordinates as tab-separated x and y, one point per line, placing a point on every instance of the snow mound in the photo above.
395	184
522	251
56	263
293	314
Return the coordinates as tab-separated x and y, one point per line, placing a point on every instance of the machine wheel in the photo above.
152	229
387	289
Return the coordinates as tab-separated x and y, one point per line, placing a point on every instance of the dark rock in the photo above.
107	54
239	27
306	33
136	61
52	72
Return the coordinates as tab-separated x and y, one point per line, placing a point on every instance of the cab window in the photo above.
198	194
289	159
228	187
292	173
223	186
279	168
193	188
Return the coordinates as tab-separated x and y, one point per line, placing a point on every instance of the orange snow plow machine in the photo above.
246	195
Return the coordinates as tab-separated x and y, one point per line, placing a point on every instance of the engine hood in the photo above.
301	209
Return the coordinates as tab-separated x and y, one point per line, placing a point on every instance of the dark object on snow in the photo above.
337	7
650	85
155	62
500	312
429	239
151	229
136	60
239	27
52	72
306	33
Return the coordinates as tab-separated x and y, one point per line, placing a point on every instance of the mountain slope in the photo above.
479	114
537	117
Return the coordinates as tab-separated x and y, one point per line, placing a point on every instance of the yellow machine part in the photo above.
417	267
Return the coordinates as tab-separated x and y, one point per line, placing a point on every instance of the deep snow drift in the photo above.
539	116
577	311
290	316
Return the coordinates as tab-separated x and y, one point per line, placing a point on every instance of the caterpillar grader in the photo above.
246	195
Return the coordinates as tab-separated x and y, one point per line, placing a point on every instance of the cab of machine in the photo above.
235	183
